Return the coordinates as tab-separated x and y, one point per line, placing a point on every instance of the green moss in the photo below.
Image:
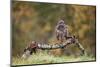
44	58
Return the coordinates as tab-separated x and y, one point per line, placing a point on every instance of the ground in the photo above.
44	58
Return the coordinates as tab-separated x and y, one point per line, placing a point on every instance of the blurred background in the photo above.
37	21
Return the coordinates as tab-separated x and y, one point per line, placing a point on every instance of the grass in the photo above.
44	58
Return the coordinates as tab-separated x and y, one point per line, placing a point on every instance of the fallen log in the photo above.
33	46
